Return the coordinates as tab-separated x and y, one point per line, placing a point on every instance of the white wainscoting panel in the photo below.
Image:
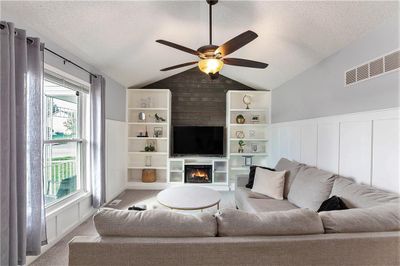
355	150
284	139
64	217
51	229
309	145
328	147
363	146
67	219
295	144
116	150
385	168
274	146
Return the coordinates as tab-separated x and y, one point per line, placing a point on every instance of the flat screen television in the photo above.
198	140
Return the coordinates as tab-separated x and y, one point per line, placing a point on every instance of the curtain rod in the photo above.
69	61
56	54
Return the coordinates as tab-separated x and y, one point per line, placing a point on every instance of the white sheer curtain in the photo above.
22	213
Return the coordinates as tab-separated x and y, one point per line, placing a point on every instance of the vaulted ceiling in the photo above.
119	37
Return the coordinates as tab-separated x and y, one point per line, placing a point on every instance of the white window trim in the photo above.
84	190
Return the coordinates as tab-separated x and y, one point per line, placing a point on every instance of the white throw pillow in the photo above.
269	183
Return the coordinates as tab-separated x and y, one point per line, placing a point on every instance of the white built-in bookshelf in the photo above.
150	102
253	132
171	170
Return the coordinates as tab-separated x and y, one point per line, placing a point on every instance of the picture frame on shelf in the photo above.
158	132
254	147
248	160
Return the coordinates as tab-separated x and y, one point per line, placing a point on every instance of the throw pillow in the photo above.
291	168
311	187
332	204
269	183
253	172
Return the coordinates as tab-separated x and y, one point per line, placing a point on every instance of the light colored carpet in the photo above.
58	254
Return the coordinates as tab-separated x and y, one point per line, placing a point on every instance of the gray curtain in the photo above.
97	139
22	213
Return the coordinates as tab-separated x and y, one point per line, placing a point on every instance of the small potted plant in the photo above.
241	146
149	148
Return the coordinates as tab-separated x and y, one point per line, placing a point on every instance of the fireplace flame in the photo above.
200	174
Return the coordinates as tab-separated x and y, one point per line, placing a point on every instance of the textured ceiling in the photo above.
119	37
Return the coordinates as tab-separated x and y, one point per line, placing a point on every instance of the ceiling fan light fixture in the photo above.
210	65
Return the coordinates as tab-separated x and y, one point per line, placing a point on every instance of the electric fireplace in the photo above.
198	173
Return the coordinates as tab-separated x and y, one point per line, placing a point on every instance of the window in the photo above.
64	111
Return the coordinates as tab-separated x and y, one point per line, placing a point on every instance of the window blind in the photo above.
62	81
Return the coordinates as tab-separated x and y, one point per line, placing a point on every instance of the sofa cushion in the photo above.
361	196
291	168
380	218
269	183
154	223
254	202
293	222
311	187
252	174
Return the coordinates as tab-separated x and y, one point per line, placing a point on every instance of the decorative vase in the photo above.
240	119
240	150
148	161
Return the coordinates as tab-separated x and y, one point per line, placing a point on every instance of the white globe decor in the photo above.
247	100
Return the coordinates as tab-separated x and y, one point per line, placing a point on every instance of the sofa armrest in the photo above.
241	180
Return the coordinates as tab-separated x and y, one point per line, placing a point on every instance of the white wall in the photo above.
116	150
320	91
363	146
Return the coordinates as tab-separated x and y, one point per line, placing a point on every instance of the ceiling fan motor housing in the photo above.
212	2
207	51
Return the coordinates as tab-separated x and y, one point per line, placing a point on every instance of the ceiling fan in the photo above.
212	57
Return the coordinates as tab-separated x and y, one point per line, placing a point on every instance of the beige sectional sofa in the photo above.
264	231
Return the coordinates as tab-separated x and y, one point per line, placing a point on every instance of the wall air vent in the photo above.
376	67
373	68
392	61
362	72
350	76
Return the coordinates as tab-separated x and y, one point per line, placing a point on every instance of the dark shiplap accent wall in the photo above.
196	99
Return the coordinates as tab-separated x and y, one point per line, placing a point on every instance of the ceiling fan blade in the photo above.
178	66
236	43
244	63
179	47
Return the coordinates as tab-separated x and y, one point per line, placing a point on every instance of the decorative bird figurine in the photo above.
159	118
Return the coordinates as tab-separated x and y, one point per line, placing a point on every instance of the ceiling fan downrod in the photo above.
211	3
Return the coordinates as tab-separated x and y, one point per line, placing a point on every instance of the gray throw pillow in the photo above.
291	168
233	222
380	218
311	187
154	223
